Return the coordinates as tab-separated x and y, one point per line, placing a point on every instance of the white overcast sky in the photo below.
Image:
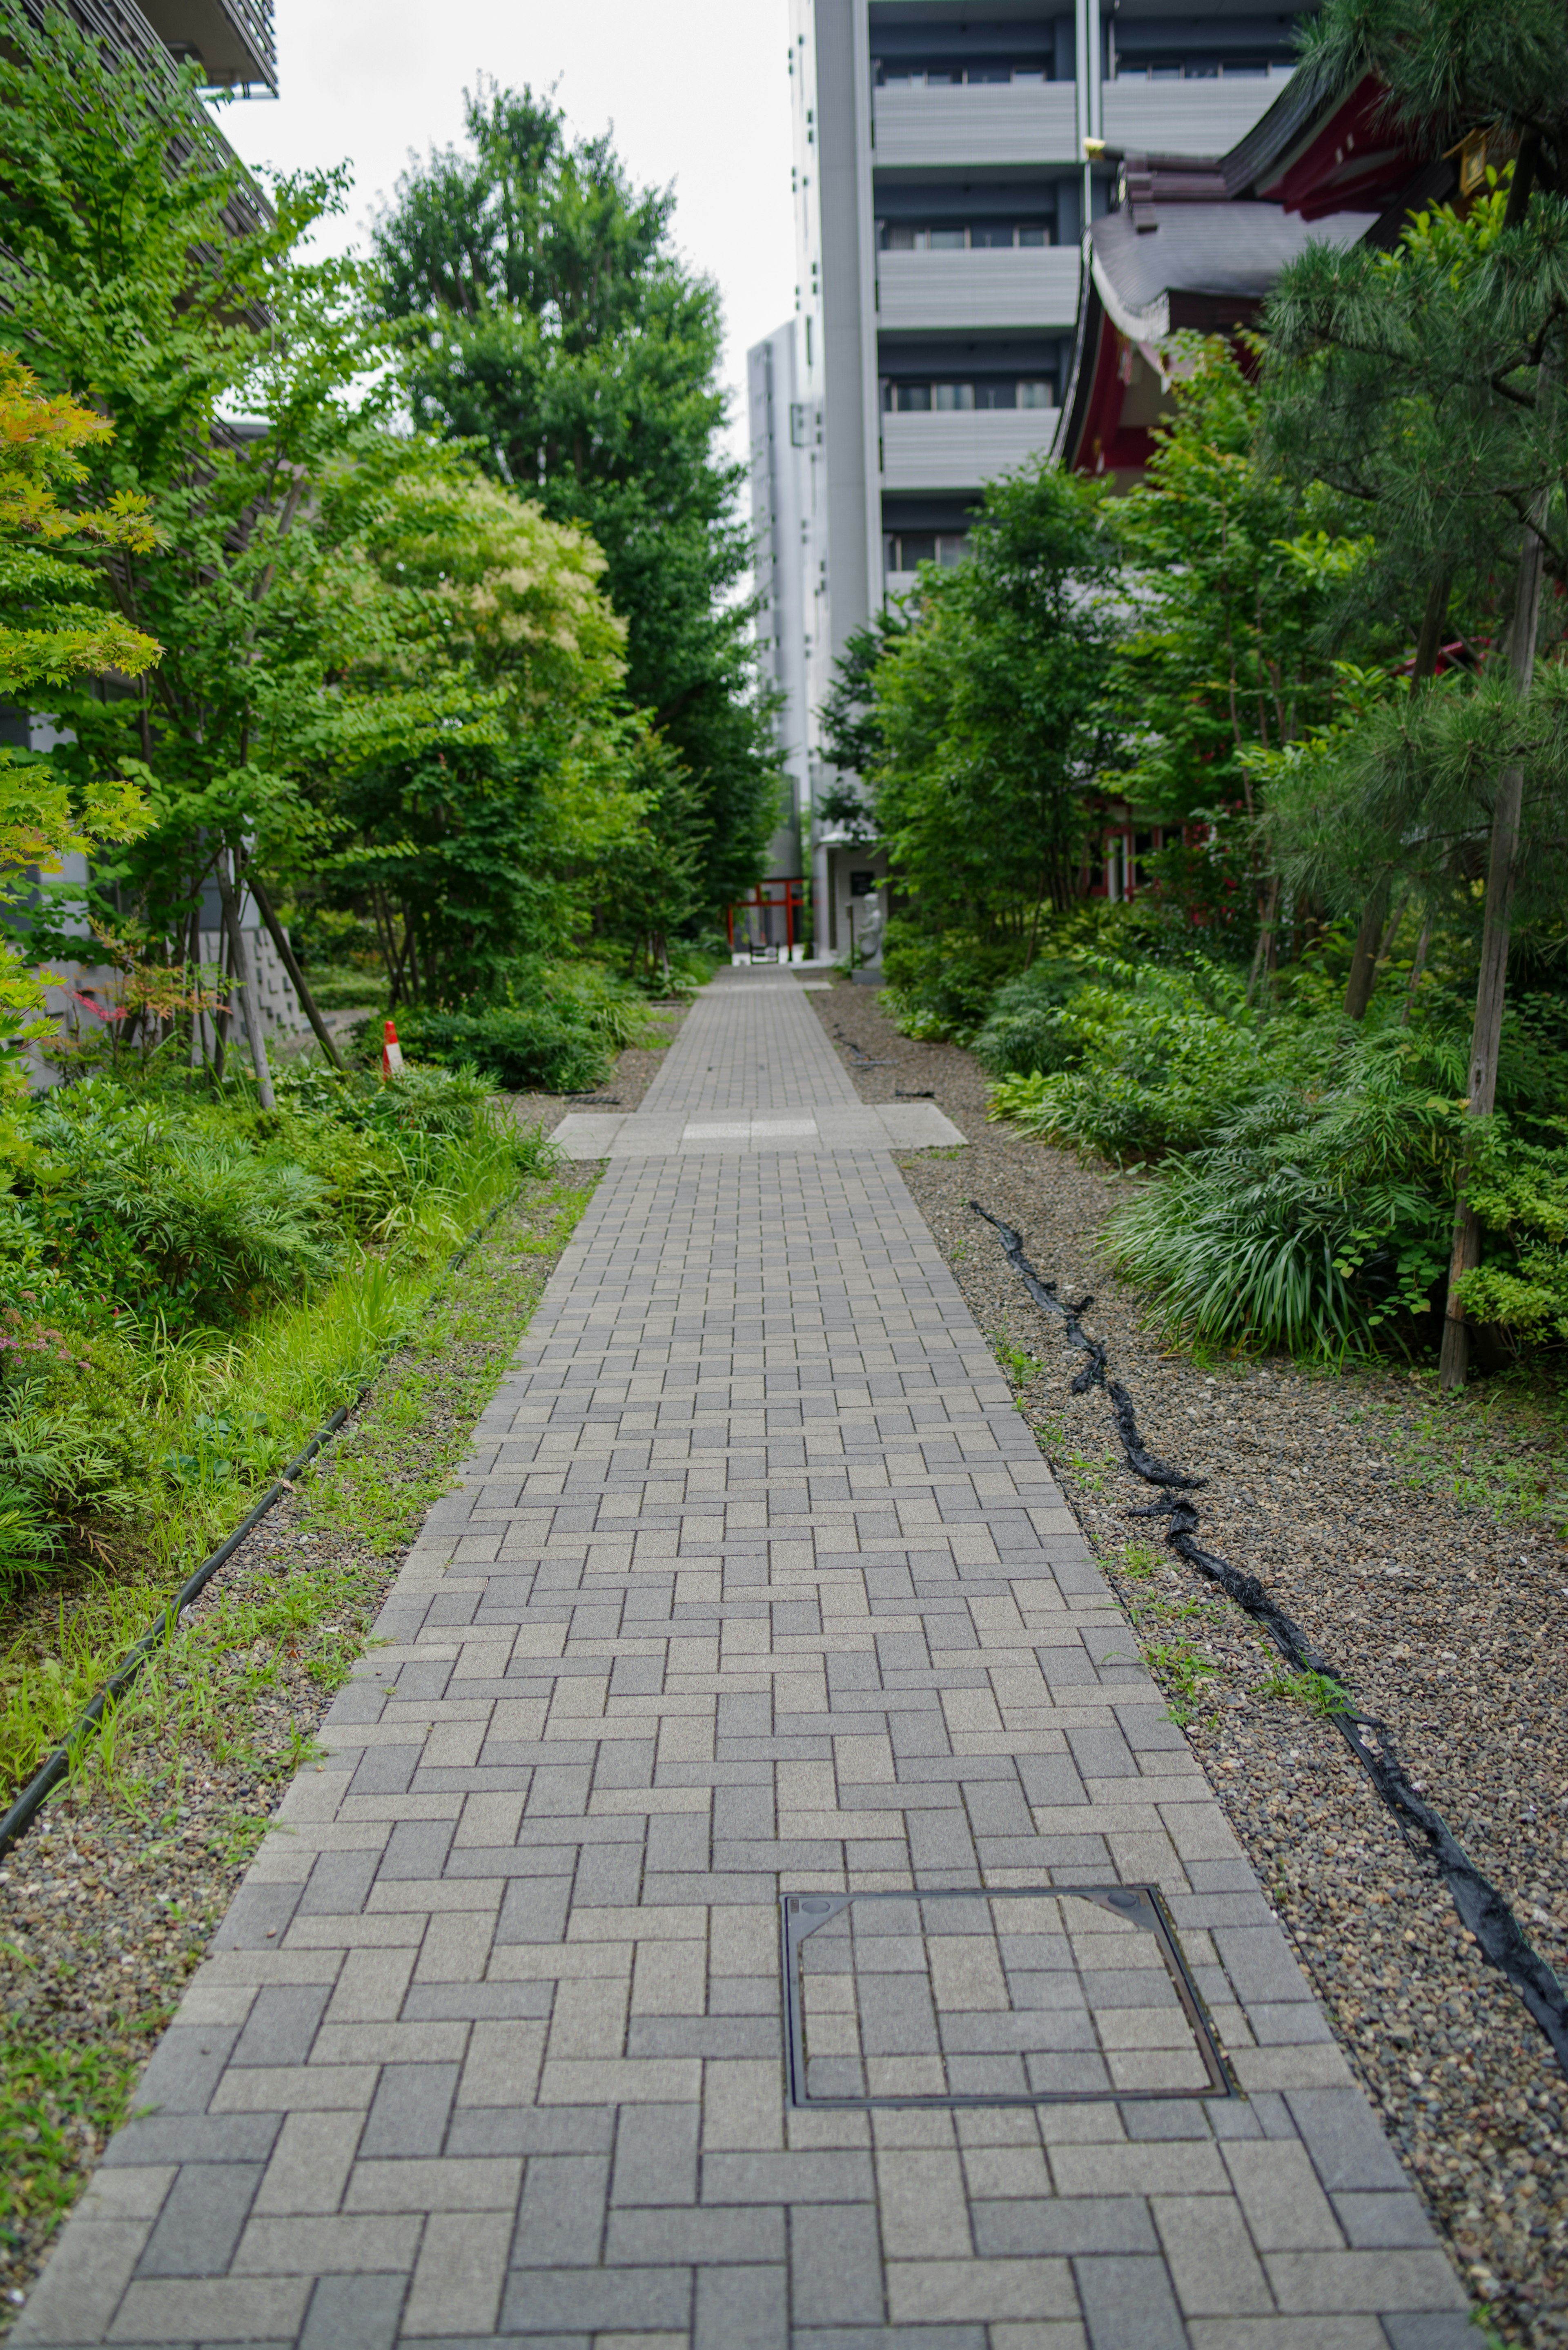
698	94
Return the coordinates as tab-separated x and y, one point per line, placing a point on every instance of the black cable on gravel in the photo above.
1480	1907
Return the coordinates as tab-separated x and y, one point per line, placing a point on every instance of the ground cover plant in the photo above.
189	1284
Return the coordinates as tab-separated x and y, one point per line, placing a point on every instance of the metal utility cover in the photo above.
1022	1995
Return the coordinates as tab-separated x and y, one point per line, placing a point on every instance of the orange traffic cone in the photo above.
391	1053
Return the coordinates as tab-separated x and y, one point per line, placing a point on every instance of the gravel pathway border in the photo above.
1447	1616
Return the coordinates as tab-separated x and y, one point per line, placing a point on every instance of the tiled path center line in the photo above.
756	1582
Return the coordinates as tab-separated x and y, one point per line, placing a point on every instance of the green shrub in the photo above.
940	987
1146	1060
518	1050
1521	1197
1023	1033
1318	1216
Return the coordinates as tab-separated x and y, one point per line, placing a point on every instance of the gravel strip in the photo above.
1446	1619
107	1906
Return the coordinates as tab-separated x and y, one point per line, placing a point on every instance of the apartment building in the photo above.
941	194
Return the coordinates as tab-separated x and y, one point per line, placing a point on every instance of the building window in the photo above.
955	398
905	550
978	236
904	77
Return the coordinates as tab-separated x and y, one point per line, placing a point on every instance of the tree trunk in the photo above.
291	964
1418	966
1263	959
1429	643
1364	956
250	1001
1502	874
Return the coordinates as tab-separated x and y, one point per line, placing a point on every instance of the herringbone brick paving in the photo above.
755	1584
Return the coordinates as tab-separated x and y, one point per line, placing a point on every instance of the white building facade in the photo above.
941	195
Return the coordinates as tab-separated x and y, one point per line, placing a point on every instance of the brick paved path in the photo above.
756	1585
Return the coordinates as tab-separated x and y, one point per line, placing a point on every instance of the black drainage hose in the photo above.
14	1826
1481	1907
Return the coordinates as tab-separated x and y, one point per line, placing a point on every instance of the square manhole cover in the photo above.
1012	1997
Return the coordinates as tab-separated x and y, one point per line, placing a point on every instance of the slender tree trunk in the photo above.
1262	960
250	1001
1429	643
1363	959
1364	955
1418	966
279	936
1501	875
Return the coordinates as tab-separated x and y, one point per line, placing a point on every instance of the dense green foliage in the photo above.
390	685
154	1227
1306	1167
1300	1023
547	321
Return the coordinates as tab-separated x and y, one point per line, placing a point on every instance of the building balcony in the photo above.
230	40
960	449
1202	116
1005	122
1033	287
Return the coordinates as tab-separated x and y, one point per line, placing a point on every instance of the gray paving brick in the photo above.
1128	2303
258	1915
655	2155
339	1885
535	1909
409	2112
561	2219
186	2067
192	2137
281	2024
703	2238
737	2305
1430	2329
416	1850
549	2301
1072	2224
354	2313
836	2266
384	1771
803	2177
200	2221
1347	2148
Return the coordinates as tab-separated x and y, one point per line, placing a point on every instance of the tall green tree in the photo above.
1235	575
990	721
545	318
1429	384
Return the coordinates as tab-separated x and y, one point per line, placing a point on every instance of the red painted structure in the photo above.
1315	155
772	916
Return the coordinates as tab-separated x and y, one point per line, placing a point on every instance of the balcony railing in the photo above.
232	40
1020	287
1001	122
959	452
1199	117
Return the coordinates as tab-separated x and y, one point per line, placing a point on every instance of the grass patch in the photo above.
1321	1693
58	2108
